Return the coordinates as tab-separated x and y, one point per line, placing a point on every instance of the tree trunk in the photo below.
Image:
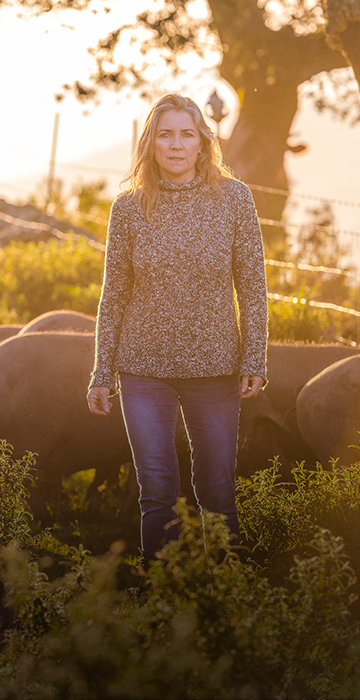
266	75
351	47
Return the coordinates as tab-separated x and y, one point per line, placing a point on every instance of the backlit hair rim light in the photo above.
144	174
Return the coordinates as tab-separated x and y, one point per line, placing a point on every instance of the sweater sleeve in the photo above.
250	286
118	282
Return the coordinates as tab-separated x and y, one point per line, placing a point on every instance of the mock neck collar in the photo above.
182	186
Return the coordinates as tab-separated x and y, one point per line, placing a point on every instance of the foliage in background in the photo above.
265	54
315	243
318	243
39	277
86	204
300	322
92	207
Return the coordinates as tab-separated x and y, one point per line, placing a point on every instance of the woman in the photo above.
181	239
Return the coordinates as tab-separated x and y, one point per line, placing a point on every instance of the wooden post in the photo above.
52	162
134	136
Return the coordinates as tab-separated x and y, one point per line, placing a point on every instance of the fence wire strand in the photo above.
37	226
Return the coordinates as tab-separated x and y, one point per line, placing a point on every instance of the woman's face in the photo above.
177	145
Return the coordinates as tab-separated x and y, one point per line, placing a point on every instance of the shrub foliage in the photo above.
203	621
277	517
40	277
14	518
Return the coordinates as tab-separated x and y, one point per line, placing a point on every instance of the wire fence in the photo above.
37	226
320	269
316	304
310	268
301	195
315	269
46	228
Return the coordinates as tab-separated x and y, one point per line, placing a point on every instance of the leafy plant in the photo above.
204	620
301	322
39	277
201	625
14	515
277	516
85	204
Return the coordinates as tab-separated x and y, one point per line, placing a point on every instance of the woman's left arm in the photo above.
250	285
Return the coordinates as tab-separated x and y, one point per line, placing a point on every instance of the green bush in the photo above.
201	626
97	520
291	322
204	621
299	322
249	638
39	277
277	517
14	516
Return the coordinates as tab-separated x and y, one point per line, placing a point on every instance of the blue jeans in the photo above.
210	408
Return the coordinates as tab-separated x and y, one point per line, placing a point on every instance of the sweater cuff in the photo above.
248	371
104	379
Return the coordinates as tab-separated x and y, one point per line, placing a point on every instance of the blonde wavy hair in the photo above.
144	175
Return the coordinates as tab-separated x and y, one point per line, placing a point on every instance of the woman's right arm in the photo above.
117	287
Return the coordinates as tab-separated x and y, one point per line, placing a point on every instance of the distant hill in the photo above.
28	223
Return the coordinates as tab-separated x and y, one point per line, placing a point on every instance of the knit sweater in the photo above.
173	286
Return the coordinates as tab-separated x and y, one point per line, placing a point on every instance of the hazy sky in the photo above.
38	55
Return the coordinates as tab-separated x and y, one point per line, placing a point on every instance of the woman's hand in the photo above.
250	386
98	400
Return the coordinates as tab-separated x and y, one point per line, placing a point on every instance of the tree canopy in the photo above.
266	49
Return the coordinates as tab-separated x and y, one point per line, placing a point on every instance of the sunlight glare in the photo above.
198	9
